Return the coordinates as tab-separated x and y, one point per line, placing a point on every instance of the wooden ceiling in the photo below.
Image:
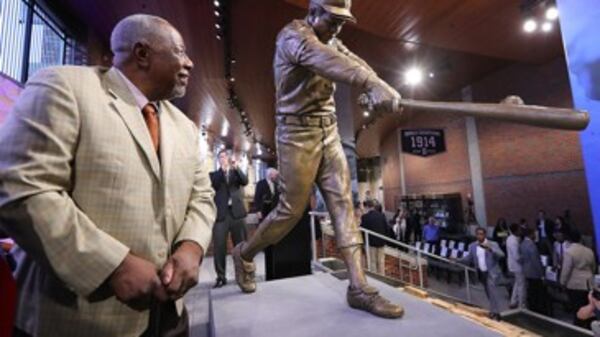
460	41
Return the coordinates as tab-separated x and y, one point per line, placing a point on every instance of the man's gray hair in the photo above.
271	170
136	28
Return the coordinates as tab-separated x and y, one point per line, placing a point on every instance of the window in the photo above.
31	39
13	16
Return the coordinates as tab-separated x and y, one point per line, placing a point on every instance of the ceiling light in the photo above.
530	26
217	26
431	75
413	76
217	4
366	113
547	26
552	13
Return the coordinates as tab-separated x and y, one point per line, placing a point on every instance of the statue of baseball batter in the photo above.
308	60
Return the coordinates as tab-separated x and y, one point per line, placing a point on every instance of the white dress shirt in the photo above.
481	257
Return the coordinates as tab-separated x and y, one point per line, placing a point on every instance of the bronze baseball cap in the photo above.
339	8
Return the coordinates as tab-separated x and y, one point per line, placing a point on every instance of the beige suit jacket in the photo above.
578	268
81	186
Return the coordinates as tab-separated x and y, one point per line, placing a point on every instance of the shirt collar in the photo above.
140	99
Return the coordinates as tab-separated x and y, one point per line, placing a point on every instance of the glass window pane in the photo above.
13	18
76	53
47	45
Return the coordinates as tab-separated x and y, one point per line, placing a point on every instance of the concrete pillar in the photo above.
475	163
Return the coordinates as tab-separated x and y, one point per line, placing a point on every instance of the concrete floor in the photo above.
197	300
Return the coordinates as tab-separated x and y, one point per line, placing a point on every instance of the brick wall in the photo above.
443	173
524	168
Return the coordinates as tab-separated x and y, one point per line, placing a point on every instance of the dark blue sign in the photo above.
423	142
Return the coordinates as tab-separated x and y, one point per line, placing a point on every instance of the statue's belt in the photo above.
306	120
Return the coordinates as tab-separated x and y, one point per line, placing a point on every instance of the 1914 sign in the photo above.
423	142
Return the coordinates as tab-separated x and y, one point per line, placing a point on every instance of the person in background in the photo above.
501	233
515	267
534	273
400	226
560	225
431	231
591	311
484	255
562	242
415	224
266	194
228	182
375	222
578	269
544	227
523	223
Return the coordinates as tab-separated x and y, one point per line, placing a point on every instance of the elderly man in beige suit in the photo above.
102	188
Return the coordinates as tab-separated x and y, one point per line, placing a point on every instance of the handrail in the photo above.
412	250
402	244
407	246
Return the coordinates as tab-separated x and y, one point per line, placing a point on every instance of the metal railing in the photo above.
422	258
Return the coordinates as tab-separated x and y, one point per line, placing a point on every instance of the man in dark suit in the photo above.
484	255
266	194
376	222
227	182
544	227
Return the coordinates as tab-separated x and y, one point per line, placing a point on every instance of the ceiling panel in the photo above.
460	41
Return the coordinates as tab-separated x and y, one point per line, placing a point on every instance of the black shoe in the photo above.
495	317
220	282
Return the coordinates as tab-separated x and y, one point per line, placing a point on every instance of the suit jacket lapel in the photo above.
124	103
167	132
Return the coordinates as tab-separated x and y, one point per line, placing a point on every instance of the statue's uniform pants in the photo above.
309	151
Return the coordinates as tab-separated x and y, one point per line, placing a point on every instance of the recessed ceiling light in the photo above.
217	4
530	26
413	76
552	13
547	27
366	113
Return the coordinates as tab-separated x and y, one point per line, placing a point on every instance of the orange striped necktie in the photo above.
151	118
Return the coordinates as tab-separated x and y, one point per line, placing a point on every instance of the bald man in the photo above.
102	189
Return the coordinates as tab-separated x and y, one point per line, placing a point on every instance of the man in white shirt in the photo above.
515	266
266	193
485	255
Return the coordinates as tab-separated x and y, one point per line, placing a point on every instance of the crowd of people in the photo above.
547	255
534	262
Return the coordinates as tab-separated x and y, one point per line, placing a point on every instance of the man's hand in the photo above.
233	162
135	282
180	273
383	97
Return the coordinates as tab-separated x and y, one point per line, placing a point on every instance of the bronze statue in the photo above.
308	60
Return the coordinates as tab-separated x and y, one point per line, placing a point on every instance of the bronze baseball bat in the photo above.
541	116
